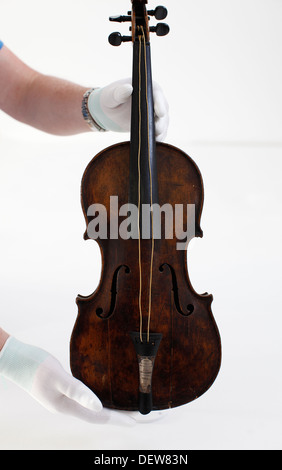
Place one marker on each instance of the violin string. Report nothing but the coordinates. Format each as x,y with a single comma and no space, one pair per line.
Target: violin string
139,200
151,194
139,196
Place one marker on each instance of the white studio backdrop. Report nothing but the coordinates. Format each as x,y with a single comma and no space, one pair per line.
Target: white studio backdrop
221,70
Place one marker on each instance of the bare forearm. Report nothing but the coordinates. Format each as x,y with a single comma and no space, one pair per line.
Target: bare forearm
54,105
3,338
47,103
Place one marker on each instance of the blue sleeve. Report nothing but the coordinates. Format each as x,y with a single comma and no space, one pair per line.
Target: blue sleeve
1,44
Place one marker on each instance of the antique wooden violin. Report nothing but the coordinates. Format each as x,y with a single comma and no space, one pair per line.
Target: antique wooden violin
144,340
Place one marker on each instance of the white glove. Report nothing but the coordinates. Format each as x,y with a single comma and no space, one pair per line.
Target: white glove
43,377
110,107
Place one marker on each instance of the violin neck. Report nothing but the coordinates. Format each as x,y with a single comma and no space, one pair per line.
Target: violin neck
143,169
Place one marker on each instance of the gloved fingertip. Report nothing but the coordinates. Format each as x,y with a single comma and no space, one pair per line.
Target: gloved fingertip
119,418
96,405
84,396
160,138
161,105
122,93
159,110
161,128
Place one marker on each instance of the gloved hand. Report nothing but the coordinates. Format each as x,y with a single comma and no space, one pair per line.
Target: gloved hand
43,377
110,107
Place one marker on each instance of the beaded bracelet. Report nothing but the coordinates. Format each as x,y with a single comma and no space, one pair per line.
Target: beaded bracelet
86,114
1,45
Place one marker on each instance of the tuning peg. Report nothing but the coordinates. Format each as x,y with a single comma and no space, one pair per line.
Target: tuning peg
162,29
120,19
115,39
160,13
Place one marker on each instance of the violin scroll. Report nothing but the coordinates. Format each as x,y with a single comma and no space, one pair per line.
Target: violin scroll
139,17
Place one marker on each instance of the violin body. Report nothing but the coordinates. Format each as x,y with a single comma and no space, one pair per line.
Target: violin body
102,352
144,340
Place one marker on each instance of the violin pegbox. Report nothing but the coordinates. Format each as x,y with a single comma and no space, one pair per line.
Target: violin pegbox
140,17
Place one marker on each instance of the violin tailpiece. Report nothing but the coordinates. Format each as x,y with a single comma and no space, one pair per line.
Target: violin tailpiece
146,354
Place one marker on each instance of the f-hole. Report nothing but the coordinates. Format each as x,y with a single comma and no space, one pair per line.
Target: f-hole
99,311
190,307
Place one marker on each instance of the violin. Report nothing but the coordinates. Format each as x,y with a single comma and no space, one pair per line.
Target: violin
144,340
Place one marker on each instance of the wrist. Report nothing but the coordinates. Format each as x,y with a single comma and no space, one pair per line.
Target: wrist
98,112
19,362
92,122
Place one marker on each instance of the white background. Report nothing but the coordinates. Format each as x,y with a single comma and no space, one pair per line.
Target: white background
221,71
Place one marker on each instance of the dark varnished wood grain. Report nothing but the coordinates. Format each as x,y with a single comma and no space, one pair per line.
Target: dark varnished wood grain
102,352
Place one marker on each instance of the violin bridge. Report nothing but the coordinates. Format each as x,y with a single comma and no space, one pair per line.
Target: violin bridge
146,352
